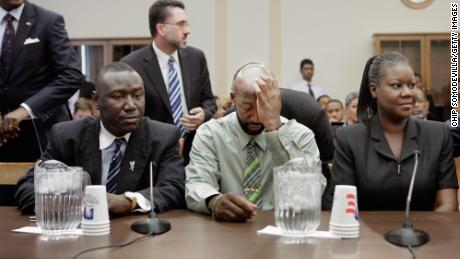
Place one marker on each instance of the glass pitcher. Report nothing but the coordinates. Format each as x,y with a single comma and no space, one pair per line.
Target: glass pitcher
297,193
58,196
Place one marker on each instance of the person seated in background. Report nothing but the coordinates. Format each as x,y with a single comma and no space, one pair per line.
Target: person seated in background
422,106
116,149
351,108
230,170
220,108
334,110
323,100
83,108
378,153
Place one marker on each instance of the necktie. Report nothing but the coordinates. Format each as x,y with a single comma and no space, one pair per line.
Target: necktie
174,94
252,175
115,164
310,91
8,39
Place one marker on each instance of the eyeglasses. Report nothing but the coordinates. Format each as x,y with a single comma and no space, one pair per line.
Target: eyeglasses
181,24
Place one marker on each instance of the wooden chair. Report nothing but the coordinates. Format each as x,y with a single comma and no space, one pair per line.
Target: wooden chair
9,175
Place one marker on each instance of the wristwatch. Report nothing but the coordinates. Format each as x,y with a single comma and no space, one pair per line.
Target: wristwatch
131,196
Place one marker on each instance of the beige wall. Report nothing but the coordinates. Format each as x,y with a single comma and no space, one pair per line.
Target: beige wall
337,35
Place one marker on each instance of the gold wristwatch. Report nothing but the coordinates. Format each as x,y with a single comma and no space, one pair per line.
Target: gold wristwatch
131,196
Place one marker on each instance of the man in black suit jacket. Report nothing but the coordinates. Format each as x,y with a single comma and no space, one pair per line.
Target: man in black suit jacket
169,28
39,72
120,98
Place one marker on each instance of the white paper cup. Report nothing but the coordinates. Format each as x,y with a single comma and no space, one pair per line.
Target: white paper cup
95,230
96,209
95,227
343,226
345,207
96,234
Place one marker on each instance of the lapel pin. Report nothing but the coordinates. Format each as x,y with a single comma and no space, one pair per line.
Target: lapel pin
131,165
28,23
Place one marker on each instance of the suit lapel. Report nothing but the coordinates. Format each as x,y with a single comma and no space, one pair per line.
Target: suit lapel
410,137
185,70
91,159
153,70
377,135
134,161
26,22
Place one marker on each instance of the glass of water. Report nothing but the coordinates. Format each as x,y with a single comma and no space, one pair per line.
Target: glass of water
297,194
58,196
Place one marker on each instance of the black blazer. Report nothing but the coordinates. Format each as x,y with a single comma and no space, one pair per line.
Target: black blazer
195,78
364,158
76,143
43,74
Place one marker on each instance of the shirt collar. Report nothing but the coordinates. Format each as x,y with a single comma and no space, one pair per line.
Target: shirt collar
106,138
16,13
243,137
163,57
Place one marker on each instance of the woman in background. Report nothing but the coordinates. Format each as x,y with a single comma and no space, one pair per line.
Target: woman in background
378,154
351,108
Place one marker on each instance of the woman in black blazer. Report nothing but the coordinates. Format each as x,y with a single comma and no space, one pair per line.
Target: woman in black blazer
378,154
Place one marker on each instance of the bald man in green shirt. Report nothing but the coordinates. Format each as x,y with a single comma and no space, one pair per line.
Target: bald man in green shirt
230,170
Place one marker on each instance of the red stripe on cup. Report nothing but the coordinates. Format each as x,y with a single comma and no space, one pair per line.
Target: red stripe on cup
352,211
350,196
351,203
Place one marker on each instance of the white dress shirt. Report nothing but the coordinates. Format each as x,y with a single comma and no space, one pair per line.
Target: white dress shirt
107,146
163,59
16,13
302,86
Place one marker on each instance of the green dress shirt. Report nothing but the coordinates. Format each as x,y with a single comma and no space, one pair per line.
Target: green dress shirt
217,159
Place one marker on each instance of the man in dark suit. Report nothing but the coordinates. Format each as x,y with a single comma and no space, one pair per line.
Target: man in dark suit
176,78
306,110
39,71
116,150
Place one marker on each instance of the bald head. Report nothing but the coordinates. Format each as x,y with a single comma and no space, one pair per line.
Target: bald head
244,81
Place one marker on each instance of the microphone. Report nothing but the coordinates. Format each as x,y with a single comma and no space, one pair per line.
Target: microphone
152,225
407,235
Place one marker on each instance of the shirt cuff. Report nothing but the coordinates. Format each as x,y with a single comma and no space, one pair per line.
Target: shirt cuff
142,203
29,111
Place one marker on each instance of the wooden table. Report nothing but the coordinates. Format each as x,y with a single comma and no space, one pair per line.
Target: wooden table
197,236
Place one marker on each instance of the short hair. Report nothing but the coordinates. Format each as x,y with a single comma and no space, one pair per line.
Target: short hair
252,65
350,97
335,101
367,105
83,104
158,13
322,96
306,61
110,68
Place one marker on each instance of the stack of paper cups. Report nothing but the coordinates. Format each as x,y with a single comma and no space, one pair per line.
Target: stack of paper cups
344,216
95,220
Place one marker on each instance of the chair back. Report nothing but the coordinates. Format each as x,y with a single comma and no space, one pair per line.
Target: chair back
9,175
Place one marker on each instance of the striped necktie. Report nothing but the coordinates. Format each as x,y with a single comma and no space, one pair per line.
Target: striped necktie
174,95
115,165
7,42
252,175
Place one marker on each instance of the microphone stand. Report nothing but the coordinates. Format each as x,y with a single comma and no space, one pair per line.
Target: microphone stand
407,235
152,225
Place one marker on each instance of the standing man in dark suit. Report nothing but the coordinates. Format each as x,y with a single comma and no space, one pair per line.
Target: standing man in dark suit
117,148
176,77
39,71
